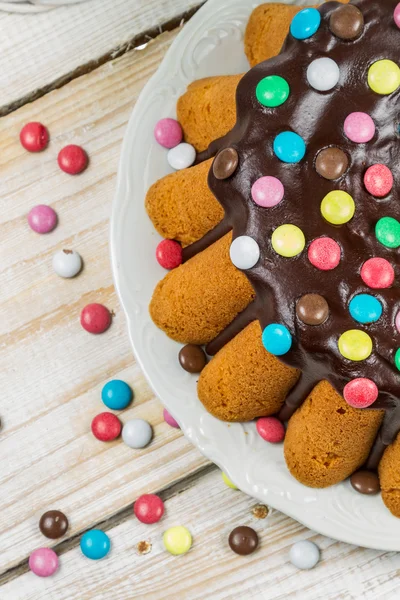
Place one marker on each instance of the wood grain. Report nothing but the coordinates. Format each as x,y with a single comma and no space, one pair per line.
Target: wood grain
43,50
211,570
51,370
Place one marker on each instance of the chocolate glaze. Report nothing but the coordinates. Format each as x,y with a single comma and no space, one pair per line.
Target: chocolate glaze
319,117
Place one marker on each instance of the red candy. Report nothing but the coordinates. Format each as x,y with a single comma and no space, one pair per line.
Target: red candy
169,254
34,137
149,508
360,393
106,427
95,318
271,429
324,253
377,273
72,159
378,180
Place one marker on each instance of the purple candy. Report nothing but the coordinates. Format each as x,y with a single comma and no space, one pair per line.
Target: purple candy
168,133
170,419
43,562
42,218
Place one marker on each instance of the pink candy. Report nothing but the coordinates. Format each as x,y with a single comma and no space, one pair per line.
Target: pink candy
360,393
377,273
168,133
271,429
378,180
170,419
267,191
397,322
43,562
324,253
397,15
359,127
42,218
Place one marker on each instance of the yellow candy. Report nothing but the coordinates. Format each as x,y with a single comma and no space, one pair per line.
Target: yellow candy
228,482
384,77
288,240
338,207
177,540
355,345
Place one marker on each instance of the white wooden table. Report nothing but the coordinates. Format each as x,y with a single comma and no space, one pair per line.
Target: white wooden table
77,70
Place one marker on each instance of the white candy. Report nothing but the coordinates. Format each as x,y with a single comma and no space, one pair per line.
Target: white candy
304,555
323,74
137,433
182,156
67,263
244,252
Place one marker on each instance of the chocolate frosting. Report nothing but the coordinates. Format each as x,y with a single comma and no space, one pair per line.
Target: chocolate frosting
318,117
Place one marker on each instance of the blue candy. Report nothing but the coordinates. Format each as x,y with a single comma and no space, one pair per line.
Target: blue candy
277,339
116,394
289,147
305,23
365,308
95,544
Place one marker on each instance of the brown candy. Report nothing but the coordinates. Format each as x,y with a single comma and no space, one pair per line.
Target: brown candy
243,540
347,22
331,163
225,163
192,358
312,309
53,524
365,482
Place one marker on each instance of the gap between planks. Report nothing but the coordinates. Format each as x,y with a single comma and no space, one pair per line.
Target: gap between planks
135,42
179,486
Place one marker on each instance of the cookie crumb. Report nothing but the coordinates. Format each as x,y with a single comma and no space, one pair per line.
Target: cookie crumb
143,547
260,511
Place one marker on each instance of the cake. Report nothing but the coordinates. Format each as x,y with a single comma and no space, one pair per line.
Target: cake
291,270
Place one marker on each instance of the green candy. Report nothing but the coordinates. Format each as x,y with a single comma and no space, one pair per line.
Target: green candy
397,359
387,231
272,91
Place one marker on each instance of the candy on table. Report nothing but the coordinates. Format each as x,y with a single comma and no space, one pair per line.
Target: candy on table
137,433
324,253
228,482
53,524
304,555
169,254
312,309
243,540
72,159
67,263
277,339
42,218
360,392
43,562
182,156
365,482
106,427
116,394
244,252
225,163
267,191
271,429
34,137
323,74
177,540
168,133
192,358
95,318
148,508
95,544
169,419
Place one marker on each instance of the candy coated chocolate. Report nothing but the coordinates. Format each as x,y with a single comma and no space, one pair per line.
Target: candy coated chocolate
34,137
331,163
225,163
192,358
365,482
53,524
312,309
95,318
43,562
243,540
72,159
347,22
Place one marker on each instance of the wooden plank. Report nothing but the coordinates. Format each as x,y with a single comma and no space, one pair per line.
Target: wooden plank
38,51
51,371
210,510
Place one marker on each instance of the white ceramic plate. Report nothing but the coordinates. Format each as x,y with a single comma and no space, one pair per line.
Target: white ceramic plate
211,44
